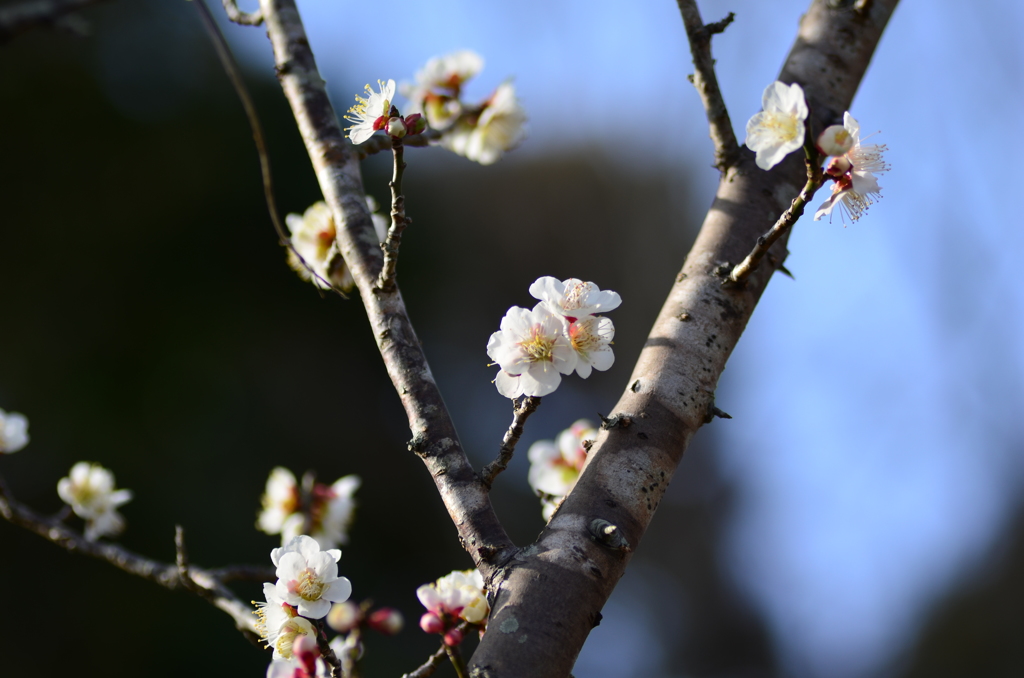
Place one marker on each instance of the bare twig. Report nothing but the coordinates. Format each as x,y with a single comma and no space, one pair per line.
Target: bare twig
521,411
431,665
742,271
337,169
458,663
727,151
234,74
240,17
386,279
16,19
167,575
327,652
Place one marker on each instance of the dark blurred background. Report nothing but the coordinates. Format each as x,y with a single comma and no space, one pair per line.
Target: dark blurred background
151,325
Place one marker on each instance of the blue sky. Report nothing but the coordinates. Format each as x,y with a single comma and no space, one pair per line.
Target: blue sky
879,449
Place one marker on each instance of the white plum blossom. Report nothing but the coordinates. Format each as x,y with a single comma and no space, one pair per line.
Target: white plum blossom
371,113
778,129
280,500
458,595
330,516
573,298
313,236
500,127
856,186
13,432
308,577
277,625
89,490
450,71
555,465
591,338
533,350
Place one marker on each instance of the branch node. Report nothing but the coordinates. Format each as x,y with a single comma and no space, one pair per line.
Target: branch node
615,421
609,534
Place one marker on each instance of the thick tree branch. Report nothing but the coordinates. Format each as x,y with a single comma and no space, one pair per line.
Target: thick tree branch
550,596
727,151
16,19
337,169
179,574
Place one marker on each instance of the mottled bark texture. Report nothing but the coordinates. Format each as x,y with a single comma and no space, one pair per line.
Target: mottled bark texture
550,596
337,169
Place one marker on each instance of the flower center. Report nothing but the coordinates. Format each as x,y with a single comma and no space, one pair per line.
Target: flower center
289,631
538,347
785,125
309,586
573,297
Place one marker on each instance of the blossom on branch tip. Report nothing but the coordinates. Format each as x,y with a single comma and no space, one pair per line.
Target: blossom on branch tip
778,129
533,350
573,298
89,490
555,465
308,577
458,596
314,254
500,126
371,113
856,186
450,71
13,432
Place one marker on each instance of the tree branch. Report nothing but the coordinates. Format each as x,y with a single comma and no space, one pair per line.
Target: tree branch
337,168
431,665
549,598
727,151
168,575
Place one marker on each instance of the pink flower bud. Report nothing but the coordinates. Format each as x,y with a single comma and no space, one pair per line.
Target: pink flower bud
453,637
416,123
396,127
838,166
386,620
835,140
305,650
431,623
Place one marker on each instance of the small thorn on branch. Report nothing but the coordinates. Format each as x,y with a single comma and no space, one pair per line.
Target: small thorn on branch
719,26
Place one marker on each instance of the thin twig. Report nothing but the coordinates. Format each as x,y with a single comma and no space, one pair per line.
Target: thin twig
239,17
431,665
16,19
164,574
727,151
379,143
815,178
386,279
327,652
521,411
434,438
234,74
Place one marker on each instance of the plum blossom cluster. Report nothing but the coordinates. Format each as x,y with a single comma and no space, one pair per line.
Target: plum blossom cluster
376,112
324,512
561,334
89,491
451,600
853,168
307,585
13,432
555,465
481,132
314,253
778,130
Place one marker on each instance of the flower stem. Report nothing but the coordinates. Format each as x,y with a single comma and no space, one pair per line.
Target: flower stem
815,178
457,661
386,280
521,410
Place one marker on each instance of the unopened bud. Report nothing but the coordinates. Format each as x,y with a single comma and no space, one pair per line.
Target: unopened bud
416,123
396,127
386,620
305,650
453,637
835,140
431,623
344,617
838,166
